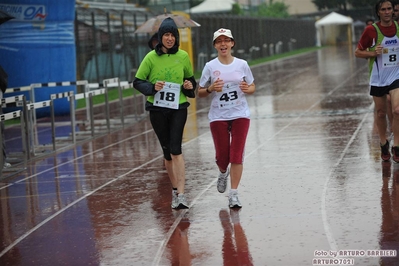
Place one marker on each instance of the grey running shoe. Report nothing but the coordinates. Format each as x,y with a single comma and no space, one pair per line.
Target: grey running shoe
234,202
174,199
222,181
6,165
181,202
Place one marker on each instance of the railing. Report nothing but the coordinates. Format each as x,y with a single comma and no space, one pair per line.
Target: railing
43,136
106,44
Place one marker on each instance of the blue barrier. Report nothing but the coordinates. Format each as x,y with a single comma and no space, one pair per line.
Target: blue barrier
38,46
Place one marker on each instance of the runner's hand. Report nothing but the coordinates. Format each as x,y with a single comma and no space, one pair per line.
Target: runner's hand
159,85
188,85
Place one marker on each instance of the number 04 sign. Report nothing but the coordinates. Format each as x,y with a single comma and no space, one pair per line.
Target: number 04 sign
169,96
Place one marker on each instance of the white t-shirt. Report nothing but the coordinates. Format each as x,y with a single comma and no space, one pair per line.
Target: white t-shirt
230,103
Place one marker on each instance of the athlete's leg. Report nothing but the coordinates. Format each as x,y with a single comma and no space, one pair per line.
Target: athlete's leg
395,111
389,113
159,121
178,120
221,140
239,132
380,117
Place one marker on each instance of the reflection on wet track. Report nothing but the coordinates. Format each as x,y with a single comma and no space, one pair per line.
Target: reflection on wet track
313,185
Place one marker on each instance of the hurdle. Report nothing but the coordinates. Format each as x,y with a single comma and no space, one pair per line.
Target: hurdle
111,83
71,99
33,141
33,131
35,86
123,85
89,107
51,103
19,89
139,100
94,89
18,100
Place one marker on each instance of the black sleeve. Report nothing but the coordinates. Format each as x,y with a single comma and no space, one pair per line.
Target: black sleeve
145,87
190,93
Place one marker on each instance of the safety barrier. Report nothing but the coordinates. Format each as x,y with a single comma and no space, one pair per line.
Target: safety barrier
18,100
104,89
33,140
71,99
46,135
35,86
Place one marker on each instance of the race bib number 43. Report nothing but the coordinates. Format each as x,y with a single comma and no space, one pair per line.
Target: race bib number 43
168,97
229,97
390,56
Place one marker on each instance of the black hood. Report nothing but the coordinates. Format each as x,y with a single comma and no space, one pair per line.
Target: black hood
168,25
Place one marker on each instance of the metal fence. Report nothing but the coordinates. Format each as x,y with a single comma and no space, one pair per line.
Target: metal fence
254,37
107,46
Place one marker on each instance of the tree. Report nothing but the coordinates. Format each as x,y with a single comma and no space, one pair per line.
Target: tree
342,4
362,3
236,9
273,10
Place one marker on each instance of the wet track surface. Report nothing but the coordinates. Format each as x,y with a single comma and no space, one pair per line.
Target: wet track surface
313,184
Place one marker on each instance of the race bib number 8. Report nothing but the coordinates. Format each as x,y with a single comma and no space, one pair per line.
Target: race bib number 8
168,97
390,56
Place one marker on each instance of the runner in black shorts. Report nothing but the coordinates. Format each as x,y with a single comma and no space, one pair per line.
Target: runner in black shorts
380,43
166,77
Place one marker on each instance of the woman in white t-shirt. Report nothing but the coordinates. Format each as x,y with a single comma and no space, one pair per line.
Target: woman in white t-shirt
227,80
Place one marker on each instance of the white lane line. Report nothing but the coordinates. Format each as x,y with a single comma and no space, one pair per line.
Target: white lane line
327,228
33,229
26,234
330,237
168,235
177,221
86,155
74,159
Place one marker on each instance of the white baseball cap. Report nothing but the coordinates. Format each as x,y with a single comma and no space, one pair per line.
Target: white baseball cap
222,32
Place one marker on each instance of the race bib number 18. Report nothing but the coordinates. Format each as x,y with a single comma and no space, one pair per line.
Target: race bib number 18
168,97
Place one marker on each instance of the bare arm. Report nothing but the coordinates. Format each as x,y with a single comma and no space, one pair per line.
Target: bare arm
216,86
247,88
368,54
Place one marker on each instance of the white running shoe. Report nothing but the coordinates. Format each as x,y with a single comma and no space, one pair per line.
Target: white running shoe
181,202
174,199
234,202
222,181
